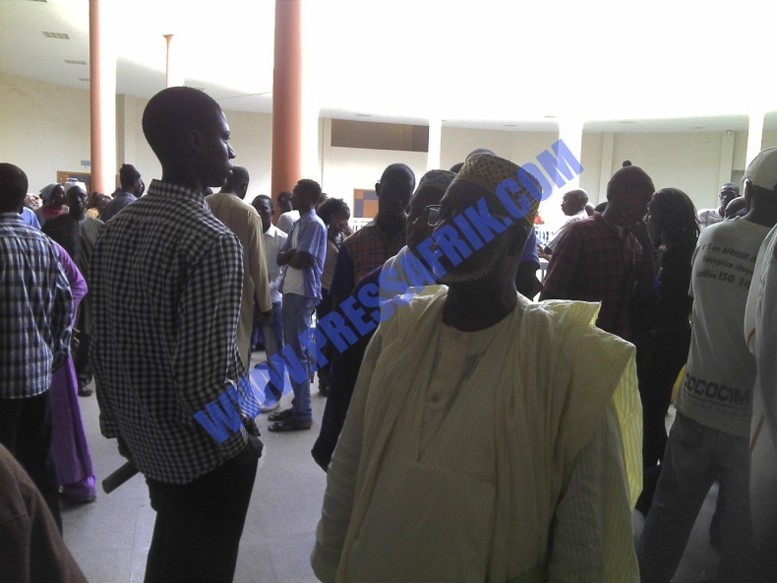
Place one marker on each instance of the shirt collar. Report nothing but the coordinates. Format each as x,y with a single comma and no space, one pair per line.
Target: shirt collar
12,217
177,191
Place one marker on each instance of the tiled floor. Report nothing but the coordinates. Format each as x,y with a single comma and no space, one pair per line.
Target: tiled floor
109,538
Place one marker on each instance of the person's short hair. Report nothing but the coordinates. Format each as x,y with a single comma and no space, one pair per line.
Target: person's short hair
128,174
628,178
13,187
456,167
171,113
236,179
330,207
311,187
579,194
398,169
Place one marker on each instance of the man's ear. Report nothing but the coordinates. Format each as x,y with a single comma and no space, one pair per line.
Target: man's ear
194,140
377,189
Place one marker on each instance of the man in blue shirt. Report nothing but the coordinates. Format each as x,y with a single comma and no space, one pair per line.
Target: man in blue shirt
303,254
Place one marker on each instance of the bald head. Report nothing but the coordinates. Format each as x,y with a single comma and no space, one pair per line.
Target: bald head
13,188
237,182
573,202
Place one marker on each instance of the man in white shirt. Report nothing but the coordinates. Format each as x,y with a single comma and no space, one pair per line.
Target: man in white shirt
728,192
272,332
573,205
289,216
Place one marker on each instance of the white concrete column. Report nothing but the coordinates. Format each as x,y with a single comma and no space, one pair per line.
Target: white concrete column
435,144
570,131
755,130
173,74
726,157
102,71
605,170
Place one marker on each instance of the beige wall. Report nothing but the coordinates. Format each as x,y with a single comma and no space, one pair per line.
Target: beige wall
45,128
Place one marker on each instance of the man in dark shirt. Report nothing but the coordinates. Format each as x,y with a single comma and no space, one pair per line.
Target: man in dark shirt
370,247
131,189
77,232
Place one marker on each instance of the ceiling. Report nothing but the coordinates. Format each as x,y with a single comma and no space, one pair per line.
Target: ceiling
614,65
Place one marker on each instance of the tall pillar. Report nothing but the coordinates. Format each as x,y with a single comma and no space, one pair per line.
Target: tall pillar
435,144
755,130
102,71
726,159
173,77
606,167
570,131
287,97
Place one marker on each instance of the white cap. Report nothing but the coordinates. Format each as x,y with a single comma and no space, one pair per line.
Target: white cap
762,171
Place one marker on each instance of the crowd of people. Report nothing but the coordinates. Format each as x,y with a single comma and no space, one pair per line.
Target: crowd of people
467,435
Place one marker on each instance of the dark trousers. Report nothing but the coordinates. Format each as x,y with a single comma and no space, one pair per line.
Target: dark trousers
323,308
81,352
25,429
198,525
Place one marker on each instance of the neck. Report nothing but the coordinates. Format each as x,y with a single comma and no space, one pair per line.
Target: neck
478,305
614,215
182,177
389,225
763,217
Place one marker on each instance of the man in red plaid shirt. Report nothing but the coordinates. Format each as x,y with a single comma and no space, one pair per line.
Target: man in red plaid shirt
601,259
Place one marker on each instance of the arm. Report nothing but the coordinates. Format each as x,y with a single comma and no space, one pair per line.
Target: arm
311,236
77,282
341,476
343,278
562,269
526,278
204,356
592,540
767,346
257,263
286,252
62,314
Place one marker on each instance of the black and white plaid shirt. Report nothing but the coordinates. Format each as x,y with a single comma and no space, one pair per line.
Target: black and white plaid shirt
166,280
36,308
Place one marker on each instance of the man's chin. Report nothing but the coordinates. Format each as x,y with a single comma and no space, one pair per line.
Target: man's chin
457,275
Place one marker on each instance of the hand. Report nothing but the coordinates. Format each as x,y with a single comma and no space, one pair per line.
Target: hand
123,449
265,317
251,452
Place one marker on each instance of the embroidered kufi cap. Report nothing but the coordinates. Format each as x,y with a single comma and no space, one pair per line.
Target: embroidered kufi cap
497,175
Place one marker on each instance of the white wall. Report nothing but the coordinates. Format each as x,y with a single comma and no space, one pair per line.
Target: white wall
346,169
45,128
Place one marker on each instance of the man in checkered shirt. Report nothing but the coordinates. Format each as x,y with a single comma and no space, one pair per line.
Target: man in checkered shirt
36,308
600,259
166,280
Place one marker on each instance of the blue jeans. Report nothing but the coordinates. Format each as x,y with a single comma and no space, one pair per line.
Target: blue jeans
297,320
695,455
